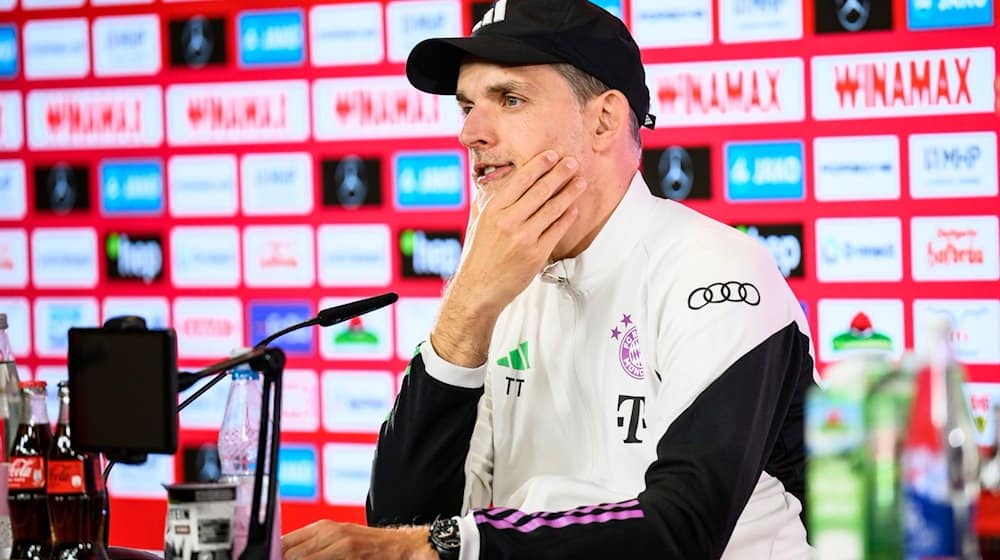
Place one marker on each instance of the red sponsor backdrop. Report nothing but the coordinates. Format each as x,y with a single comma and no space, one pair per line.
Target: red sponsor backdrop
737,87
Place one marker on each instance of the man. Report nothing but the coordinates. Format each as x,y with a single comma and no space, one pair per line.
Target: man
611,375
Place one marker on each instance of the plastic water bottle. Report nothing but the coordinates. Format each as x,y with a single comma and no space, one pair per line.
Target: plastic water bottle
238,452
238,445
10,392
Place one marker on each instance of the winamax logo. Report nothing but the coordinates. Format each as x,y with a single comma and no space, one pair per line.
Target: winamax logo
429,180
134,257
380,107
899,84
764,171
727,92
131,187
269,317
237,113
784,241
938,14
271,38
429,254
89,118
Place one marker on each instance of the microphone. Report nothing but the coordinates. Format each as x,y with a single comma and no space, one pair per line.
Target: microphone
325,318
346,312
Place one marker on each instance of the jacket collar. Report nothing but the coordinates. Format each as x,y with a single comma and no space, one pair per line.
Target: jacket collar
610,248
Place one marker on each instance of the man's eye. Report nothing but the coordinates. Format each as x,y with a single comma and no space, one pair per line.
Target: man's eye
511,101
466,109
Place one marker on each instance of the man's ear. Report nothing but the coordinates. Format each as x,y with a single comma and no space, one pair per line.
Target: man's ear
610,113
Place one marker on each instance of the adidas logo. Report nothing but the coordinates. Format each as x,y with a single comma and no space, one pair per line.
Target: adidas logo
496,14
516,359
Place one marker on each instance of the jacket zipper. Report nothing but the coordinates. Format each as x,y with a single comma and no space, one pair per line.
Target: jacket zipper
591,440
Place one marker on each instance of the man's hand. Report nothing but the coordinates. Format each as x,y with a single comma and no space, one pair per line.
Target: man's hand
329,540
510,238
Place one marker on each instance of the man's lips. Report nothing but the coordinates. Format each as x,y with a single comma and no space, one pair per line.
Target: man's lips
486,173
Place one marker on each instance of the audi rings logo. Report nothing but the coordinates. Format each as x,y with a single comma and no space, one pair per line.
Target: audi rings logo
721,292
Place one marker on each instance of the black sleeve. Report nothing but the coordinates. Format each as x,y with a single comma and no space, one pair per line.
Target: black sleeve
418,470
708,463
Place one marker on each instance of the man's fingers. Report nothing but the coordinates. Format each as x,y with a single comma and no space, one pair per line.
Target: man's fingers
547,241
545,188
525,177
555,206
301,542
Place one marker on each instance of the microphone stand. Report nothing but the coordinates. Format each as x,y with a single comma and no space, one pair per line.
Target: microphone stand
269,361
271,365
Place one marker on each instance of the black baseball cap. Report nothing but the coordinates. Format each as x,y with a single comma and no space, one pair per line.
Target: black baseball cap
521,32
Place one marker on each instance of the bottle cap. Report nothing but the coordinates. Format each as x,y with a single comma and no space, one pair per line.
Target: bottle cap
3,320
35,384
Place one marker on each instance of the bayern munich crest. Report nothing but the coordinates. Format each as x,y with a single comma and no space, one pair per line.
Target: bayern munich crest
628,347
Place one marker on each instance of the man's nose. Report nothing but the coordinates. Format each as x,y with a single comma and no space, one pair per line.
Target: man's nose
478,130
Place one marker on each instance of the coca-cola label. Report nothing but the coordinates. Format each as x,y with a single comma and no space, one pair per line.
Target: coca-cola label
26,473
66,477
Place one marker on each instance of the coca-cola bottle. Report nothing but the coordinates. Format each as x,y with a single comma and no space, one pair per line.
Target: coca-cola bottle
29,511
76,494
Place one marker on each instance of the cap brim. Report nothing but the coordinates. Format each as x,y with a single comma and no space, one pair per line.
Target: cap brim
433,64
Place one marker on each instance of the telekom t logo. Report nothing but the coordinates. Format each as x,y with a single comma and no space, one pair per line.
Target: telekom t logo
496,14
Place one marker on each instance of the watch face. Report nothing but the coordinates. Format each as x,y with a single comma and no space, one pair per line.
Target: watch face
445,536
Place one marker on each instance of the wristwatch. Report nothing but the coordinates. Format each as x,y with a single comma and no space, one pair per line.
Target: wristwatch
445,539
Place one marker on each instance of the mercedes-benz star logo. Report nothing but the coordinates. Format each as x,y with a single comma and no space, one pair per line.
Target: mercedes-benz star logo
62,193
853,14
198,42
720,292
676,172
350,180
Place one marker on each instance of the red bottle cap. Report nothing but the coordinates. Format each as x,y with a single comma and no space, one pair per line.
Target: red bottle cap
34,384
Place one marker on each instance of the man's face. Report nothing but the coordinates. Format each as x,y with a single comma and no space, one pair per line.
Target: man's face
514,113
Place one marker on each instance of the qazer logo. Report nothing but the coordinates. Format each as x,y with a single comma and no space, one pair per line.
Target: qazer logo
429,254
784,241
